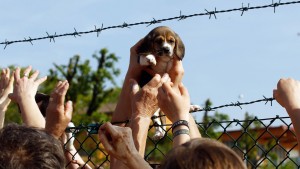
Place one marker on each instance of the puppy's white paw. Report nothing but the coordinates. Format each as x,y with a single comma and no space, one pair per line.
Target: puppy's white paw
194,108
158,135
147,60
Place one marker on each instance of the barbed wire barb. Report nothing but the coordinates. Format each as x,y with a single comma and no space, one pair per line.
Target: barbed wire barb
211,13
243,9
6,43
154,21
76,33
51,37
98,30
125,25
30,41
275,4
181,17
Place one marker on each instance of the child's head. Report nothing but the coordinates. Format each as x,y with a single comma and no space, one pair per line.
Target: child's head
203,153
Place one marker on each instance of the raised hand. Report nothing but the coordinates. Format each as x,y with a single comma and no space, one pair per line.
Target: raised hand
23,94
118,142
6,87
175,105
58,112
26,87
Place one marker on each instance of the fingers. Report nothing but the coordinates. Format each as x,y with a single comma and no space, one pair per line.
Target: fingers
27,71
104,140
154,81
167,89
11,80
176,73
41,80
59,93
134,47
62,91
69,109
183,90
5,77
2,79
275,93
17,74
134,86
34,75
110,129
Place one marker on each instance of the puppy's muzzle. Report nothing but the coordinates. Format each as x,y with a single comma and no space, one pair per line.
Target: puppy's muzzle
164,51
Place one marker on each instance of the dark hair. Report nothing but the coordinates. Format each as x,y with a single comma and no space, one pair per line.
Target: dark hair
43,99
203,153
27,147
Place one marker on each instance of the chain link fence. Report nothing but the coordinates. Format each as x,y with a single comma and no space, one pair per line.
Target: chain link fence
261,143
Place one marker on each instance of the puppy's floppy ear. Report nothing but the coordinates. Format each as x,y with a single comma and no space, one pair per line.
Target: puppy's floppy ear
146,45
179,47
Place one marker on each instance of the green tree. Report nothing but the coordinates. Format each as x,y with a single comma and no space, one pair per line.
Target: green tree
88,88
211,123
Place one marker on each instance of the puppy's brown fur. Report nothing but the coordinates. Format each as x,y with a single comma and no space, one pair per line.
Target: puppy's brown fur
160,46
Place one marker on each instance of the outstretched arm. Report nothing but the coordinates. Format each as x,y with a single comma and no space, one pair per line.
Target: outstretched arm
176,74
58,112
6,87
123,108
176,107
23,94
144,104
287,95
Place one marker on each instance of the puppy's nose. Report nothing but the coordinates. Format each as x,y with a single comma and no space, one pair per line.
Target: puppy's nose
166,50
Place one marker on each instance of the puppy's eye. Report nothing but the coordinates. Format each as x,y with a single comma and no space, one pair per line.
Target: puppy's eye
158,41
171,41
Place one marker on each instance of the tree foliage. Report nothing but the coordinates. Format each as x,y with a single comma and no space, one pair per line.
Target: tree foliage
210,123
89,88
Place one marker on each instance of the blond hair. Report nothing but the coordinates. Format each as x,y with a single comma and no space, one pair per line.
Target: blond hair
203,153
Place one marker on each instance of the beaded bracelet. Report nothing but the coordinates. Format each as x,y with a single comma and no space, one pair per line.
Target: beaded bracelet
181,131
180,122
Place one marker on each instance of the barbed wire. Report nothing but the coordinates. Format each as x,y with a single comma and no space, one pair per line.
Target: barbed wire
236,104
97,30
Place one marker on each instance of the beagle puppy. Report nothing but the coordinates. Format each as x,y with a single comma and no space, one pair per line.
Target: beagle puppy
160,46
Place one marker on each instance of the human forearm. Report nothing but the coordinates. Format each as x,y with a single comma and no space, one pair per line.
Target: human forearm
295,118
2,117
139,126
181,138
183,127
137,162
123,109
194,131
31,114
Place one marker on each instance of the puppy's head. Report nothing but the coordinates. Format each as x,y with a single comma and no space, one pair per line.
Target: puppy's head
163,41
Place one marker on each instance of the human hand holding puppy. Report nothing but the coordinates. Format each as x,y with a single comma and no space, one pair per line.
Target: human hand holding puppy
144,103
176,107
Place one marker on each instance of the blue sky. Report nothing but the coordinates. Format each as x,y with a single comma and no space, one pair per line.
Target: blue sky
225,57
